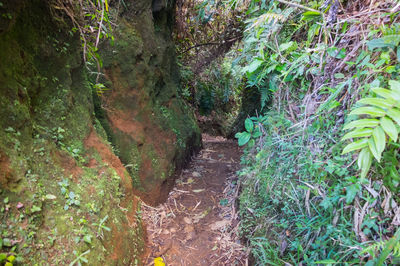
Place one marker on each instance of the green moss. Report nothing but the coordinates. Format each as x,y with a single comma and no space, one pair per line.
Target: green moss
47,112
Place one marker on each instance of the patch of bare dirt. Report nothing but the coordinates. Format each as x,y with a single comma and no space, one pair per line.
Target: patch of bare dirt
93,141
6,173
198,224
68,163
129,202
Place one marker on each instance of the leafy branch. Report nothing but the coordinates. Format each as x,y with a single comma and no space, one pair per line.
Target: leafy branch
382,114
91,19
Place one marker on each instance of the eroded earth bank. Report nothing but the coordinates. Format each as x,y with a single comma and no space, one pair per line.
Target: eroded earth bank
74,163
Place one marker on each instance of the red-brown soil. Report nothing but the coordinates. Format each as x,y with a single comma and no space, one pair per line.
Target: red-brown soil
198,223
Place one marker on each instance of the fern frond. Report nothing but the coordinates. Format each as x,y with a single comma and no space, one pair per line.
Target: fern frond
267,18
374,248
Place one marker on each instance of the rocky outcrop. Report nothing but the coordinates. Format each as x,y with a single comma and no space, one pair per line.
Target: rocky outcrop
71,163
150,127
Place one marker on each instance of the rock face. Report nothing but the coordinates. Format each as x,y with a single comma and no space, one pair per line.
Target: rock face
71,163
152,130
251,106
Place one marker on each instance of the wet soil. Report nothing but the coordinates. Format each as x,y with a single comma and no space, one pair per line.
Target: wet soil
198,224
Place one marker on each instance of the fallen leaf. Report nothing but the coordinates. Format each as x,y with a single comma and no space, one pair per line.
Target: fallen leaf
283,247
218,225
196,174
188,229
187,220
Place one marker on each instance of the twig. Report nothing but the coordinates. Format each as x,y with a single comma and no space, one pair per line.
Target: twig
299,6
199,45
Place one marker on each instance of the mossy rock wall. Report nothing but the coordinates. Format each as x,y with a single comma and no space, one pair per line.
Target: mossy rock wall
250,106
154,133
70,172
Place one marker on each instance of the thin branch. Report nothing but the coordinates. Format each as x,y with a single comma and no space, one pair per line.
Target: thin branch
299,6
199,45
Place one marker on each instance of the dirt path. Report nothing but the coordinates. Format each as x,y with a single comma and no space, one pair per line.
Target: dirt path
198,224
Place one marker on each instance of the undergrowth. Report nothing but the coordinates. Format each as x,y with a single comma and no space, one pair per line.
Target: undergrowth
304,199
300,196
313,193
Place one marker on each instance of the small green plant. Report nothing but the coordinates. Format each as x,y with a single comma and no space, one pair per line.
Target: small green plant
70,196
384,248
80,258
58,135
64,184
101,227
7,260
379,127
76,153
99,88
254,129
72,199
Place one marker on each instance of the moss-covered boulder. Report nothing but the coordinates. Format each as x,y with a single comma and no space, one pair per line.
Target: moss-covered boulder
71,163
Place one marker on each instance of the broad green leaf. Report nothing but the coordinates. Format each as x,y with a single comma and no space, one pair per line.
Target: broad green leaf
373,149
87,239
285,46
257,134
379,139
362,123
358,133
313,31
251,143
386,41
389,127
248,124
387,94
364,161
356,145
379,102
394,114
253,65
311,14
369,110
394,85
11,258
352,191
244,138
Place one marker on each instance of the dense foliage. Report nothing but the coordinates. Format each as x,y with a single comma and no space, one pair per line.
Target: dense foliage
303,201
327,66
93,21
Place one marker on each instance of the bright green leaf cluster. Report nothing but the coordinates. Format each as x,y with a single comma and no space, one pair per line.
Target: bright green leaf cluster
253,131
383,120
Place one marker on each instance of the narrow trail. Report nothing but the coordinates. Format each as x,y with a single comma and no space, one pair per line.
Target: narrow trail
198,223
